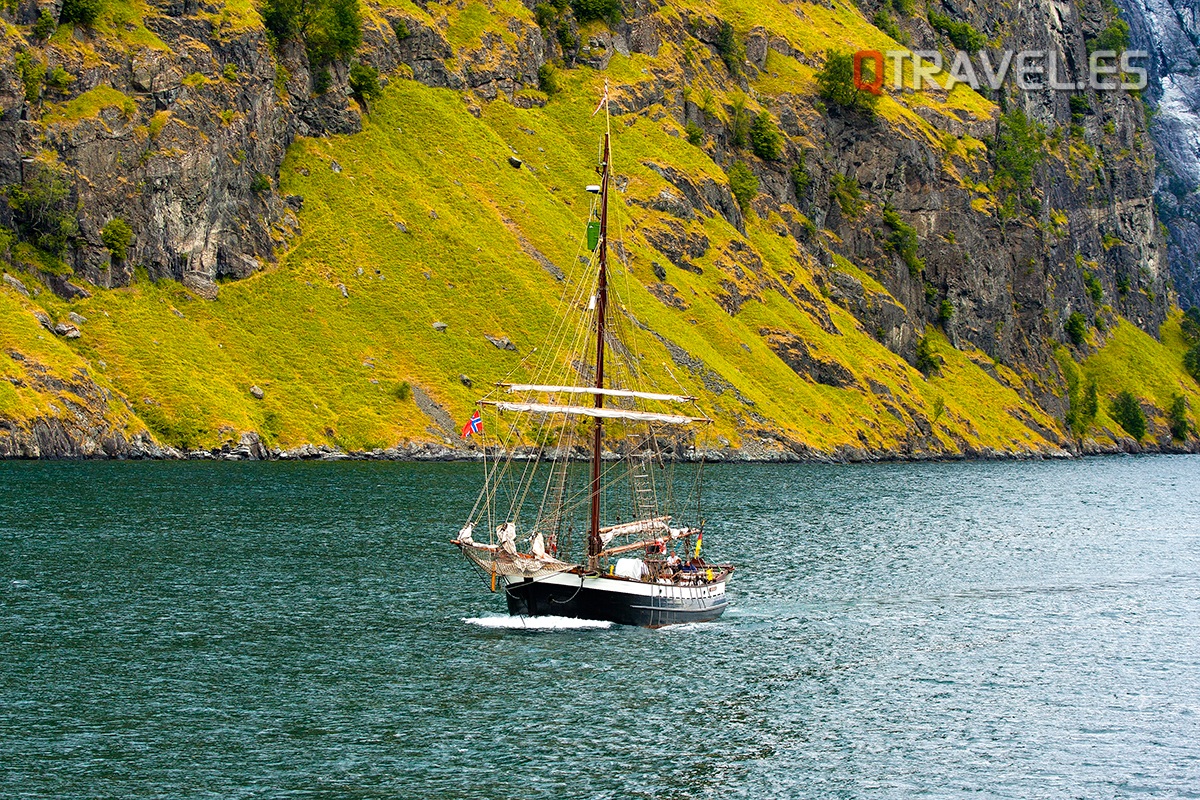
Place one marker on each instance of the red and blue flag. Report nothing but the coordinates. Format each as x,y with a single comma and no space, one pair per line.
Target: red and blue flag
474,425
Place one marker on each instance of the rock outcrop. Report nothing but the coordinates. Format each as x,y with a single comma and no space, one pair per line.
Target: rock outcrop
1170,31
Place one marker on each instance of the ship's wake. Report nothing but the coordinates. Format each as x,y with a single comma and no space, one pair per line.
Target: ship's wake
537,623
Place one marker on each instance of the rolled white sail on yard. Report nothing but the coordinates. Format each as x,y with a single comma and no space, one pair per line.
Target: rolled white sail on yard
658,524
592,390
605,413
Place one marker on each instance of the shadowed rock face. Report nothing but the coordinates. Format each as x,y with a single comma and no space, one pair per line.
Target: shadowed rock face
1170,31
189,159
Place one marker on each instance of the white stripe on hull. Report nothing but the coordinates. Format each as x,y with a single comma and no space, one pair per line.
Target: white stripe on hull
638,588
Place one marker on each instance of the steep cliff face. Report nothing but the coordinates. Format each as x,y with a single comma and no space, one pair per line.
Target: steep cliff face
1170,31
1006,235
174,120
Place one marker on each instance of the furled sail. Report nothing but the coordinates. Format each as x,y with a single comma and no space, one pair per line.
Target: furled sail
605,413
504,559
592,390
656,525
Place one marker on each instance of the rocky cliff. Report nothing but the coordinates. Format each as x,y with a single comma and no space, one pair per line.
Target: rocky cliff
1013,233
1170,31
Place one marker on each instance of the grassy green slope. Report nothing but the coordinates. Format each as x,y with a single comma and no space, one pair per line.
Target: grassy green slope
425,220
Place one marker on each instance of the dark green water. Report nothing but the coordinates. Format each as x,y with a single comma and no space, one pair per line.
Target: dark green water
270,630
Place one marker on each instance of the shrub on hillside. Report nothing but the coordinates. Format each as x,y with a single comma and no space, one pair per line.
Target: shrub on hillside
31,72
1077,328
844,189
1126,409
765,139
1114,37
945,312
59,79
743,184
903,241
964,36
1094,289
928,362
883,20
545,15
330,29
588,10
44,26
835,83
1016,153
1083,408
695,134
800,177
117,236
1191,361
739,122
548,78
731,51
81,12
1191,325
42,210
1180,428
364,83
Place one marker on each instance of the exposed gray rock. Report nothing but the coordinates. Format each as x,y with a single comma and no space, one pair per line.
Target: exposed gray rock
440,327
257,393
16,284
436,413
1170,31
67,330
78,319
797,354
502,342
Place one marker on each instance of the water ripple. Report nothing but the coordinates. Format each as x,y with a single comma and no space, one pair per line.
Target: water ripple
303,630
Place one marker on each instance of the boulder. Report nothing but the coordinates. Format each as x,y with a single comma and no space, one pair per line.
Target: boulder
67,330
502,342
16,284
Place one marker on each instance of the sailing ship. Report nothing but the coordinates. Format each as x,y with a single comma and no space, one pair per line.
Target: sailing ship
585,523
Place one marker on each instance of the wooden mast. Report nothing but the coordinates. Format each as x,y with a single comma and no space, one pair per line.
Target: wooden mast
594,543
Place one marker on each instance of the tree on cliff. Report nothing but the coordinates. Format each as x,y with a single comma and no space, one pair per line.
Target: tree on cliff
330,29
835,82
42,207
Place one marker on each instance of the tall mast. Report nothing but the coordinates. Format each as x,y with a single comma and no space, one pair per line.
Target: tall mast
594,543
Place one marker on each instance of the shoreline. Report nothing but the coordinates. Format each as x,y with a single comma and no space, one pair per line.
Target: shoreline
250,447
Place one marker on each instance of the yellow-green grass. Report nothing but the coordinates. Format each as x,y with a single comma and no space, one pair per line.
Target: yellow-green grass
1132,360
427,206
89,105
330,366
35,349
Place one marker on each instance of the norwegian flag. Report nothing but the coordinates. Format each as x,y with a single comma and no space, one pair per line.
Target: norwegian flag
474,425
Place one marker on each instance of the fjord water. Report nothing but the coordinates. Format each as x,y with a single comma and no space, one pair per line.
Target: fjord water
267,630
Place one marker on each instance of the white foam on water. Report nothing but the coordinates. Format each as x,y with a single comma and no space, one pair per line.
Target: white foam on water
537,623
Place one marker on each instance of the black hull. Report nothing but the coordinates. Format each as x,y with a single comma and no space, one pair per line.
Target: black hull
534,598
